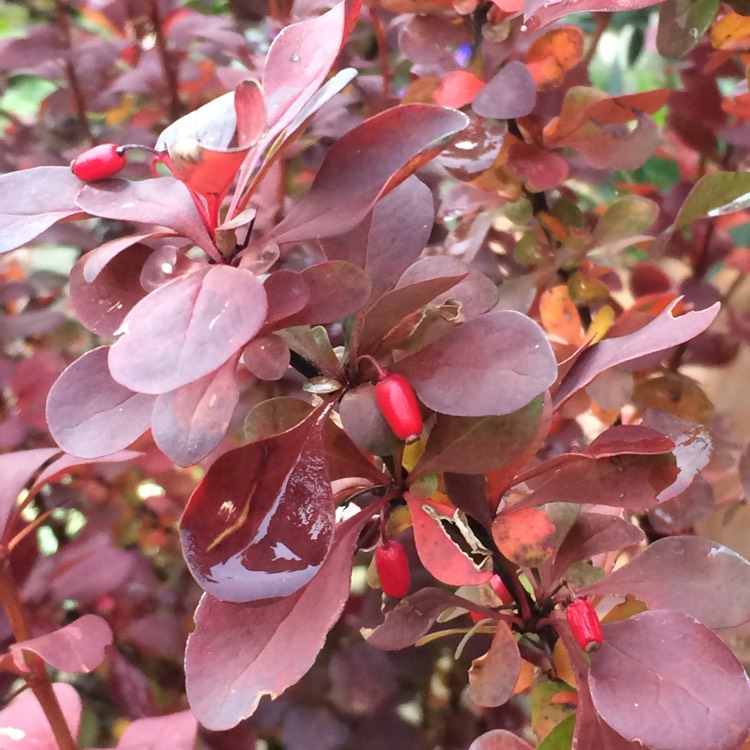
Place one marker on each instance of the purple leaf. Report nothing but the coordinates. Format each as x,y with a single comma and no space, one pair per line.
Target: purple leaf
391,238
76,648
187,328
163,201
240,652
89,414
62,466
175,731
509,94
646,689
365,164
97,260
336,289
300,58
661,333
544,12
364,422
410,619
491,365
692,575
24,725
32,200
102,304
685,509
499,739
260,523
493,676
474,445
189,422
17,469
267,357
592,534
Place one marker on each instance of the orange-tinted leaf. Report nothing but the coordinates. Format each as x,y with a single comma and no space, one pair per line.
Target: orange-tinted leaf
731,32
457,89
524,536
546,715
553,54
538,168
619,109
563,667
560,315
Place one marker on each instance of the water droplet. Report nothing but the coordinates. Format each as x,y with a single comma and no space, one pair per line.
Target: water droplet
693,32
294,57
621,496
524,27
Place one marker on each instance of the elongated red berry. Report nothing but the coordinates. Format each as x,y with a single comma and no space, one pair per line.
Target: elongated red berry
393,569
584,624
98,163
399,407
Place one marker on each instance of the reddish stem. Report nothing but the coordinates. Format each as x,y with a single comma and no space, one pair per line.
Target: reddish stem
37,679
378,28
170,72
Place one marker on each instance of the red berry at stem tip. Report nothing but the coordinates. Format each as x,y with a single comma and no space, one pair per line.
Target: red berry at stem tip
584,624
399,406
393,569
98,163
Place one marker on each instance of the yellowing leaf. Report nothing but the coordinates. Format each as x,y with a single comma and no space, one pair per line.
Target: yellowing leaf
731,32
524,536
564,668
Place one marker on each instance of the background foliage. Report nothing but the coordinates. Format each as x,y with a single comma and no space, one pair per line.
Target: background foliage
544,269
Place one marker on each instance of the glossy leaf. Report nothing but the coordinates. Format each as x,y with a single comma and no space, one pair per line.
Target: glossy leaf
491,365
240,652
163,201
89,414
77,647
685,509
544,12
493,676
692,575
32,200
187,328
702,701
24,725
267,357
365,164
474,445
508,94
437,550
661,333
260,523
189,422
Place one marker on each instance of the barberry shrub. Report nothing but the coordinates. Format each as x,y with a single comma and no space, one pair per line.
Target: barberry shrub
356,373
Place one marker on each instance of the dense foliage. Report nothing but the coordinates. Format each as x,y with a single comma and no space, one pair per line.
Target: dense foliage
374,378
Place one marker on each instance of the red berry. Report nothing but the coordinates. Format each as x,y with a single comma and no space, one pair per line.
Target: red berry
393,569
98,163
399,407
584,624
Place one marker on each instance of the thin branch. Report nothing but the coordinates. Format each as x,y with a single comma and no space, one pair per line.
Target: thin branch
167,64
74,84
378,28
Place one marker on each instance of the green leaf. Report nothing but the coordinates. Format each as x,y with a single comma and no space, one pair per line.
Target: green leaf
715,195
561,737
682,24
625,221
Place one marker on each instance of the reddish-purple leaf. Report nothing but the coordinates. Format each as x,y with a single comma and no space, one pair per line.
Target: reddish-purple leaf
661,333
410,619
366,163
32,200
89,414
491,365
287,294
391,238
240,652
510,93
103,304
274,416
267,357
364,422
17,469
474,445
314,345
592,534
260,523
24,725
77,647
336,289
163,201
130,689
300,58
692,575
175,731
440,555
189,422
187,328
544,12
493,676
685,509
63,466
98,259
499,739
666,681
